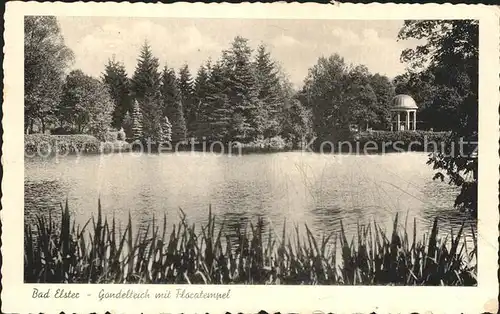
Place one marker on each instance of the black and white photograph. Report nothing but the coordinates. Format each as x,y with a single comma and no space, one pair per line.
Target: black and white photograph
221,151
291,158
215,157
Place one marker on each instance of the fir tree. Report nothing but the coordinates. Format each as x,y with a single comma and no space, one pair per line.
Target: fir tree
137,133
242,91
268,84
172,105
166,129
218,111
186,91
146,78
145,88
115,78
127,124
201,90
151,118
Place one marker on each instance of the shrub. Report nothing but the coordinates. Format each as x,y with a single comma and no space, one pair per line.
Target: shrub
62,131
61,144
276,143
111,136
411,140
114,147
121,136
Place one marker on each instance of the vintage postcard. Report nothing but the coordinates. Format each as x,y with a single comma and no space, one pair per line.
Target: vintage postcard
212,158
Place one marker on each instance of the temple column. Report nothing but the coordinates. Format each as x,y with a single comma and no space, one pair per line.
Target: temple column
407,126
414,120
398,122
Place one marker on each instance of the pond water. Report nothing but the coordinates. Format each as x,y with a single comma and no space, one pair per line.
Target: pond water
316,189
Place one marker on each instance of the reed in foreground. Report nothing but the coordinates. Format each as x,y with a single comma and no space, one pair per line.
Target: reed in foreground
102,253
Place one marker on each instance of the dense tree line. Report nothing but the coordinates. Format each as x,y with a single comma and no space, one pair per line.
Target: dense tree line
243,96
239,97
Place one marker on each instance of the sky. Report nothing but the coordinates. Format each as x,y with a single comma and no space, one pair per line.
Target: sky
295,44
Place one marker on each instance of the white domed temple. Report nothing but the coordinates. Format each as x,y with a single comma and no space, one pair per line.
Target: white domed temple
403,113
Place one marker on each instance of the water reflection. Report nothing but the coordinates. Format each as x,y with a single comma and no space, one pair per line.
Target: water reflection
41,197
313,189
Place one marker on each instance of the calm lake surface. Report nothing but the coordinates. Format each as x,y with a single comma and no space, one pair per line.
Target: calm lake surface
316,189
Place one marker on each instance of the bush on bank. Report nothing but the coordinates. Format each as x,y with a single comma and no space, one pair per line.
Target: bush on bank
273,144
371,141
47,144
403,136
400,140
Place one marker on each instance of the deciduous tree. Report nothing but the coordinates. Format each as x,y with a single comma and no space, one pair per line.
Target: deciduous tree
324,93
384,91
46,60
450,51
86,105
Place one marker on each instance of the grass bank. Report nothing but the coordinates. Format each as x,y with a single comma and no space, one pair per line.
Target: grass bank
100,252
47,144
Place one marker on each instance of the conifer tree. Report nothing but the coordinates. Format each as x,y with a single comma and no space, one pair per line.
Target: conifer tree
268,84
218,110
115,78
137,132
172,105
145,88
127,124
243,92
166,129
201,89
151,118
186,93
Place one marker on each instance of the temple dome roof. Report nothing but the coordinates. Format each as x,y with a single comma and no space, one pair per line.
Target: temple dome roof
403,102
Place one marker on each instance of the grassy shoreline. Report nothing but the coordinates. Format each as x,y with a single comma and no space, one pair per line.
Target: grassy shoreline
46,145
99,252
372,142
